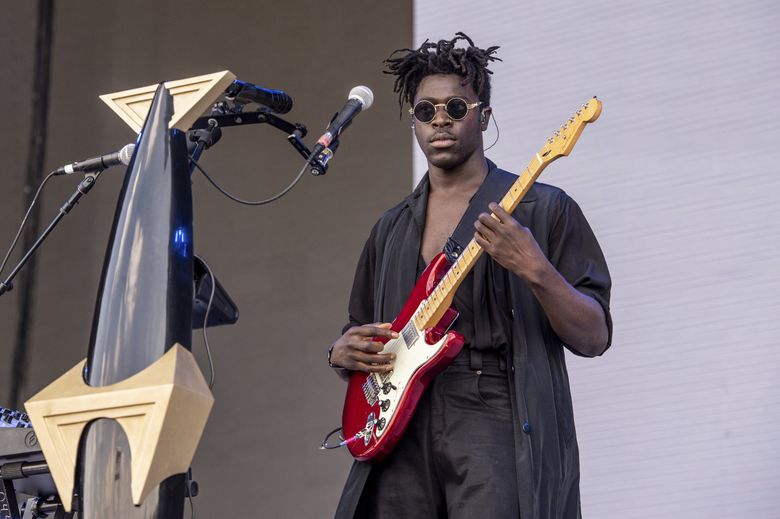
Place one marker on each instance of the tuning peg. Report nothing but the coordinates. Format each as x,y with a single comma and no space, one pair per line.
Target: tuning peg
571,119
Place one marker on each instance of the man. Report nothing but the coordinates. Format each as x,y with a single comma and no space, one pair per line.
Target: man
493,435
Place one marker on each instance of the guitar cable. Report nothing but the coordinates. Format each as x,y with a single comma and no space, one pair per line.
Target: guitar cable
324,445
342,443
366,431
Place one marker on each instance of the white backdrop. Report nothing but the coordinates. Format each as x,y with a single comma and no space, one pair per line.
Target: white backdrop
679,179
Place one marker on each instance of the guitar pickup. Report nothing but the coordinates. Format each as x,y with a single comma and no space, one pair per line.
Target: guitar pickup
410,334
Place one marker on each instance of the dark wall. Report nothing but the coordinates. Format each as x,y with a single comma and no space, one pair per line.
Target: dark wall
288,265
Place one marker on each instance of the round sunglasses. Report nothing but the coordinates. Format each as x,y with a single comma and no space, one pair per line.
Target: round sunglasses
456,109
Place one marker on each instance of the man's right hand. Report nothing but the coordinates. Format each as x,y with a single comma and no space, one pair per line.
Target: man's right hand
358,350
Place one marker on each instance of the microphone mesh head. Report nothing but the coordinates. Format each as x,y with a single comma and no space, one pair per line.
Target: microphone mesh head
126,153
362,94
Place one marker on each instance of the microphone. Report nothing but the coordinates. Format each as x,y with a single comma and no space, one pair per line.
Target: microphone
360,98
99,163
275,100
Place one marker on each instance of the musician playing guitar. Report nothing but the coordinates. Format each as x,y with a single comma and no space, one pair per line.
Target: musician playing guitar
493,434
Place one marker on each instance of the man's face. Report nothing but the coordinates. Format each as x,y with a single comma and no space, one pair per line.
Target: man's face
446,143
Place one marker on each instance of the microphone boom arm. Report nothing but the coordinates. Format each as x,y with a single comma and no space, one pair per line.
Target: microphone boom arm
295,131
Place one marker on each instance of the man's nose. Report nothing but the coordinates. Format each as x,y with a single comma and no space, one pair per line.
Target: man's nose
440,117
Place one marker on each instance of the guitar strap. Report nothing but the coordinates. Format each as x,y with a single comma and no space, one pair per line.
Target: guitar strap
493,188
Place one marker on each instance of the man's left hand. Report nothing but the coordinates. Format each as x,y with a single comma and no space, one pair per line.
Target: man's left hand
509,243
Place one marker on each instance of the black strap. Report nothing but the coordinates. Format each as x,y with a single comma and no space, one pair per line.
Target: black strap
493,188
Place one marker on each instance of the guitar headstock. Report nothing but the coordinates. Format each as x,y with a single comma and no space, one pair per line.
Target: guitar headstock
563,140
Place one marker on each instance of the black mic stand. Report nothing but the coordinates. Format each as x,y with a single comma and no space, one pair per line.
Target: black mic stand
82,189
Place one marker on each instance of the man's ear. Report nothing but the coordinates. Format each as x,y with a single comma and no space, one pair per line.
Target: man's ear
484,118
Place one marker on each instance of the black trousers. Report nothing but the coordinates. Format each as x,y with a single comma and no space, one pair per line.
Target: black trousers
456,459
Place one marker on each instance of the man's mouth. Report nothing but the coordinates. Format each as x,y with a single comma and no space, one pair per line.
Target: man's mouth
442,140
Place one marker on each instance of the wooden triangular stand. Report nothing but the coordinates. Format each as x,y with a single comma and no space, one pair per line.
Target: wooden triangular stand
163,411
191,97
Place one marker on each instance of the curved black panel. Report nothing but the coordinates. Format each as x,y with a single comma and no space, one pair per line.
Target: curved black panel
145,298
144,307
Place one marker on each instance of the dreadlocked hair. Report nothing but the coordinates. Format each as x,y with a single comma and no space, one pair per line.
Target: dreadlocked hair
441,58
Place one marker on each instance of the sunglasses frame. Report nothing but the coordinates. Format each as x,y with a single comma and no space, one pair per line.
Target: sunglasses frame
469,107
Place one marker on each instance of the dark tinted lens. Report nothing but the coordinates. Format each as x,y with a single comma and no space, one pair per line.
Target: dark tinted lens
424,111
456,108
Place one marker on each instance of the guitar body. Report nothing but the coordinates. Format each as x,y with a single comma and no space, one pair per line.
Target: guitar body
378,407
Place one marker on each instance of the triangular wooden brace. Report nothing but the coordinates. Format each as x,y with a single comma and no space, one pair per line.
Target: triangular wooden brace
191,98
163,411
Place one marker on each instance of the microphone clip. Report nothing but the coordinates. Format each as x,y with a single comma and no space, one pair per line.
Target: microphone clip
322,157
318,158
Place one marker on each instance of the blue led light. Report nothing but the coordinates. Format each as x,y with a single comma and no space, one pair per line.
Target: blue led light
181,243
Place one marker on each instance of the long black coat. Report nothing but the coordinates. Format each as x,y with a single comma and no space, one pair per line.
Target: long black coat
547,456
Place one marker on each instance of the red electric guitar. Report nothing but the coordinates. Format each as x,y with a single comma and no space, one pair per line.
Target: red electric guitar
378,407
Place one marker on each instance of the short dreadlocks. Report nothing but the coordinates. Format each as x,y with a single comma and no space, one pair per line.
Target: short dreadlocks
441,58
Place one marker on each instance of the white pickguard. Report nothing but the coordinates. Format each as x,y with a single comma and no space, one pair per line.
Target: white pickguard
409,358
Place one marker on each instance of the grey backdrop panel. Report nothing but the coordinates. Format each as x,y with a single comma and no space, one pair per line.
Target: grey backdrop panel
288,265
679,179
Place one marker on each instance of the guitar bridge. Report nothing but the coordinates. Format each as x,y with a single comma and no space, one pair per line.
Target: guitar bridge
371,389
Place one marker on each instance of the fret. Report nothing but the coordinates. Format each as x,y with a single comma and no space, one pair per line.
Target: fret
509,200
467,254
527,179
455,269
508,203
